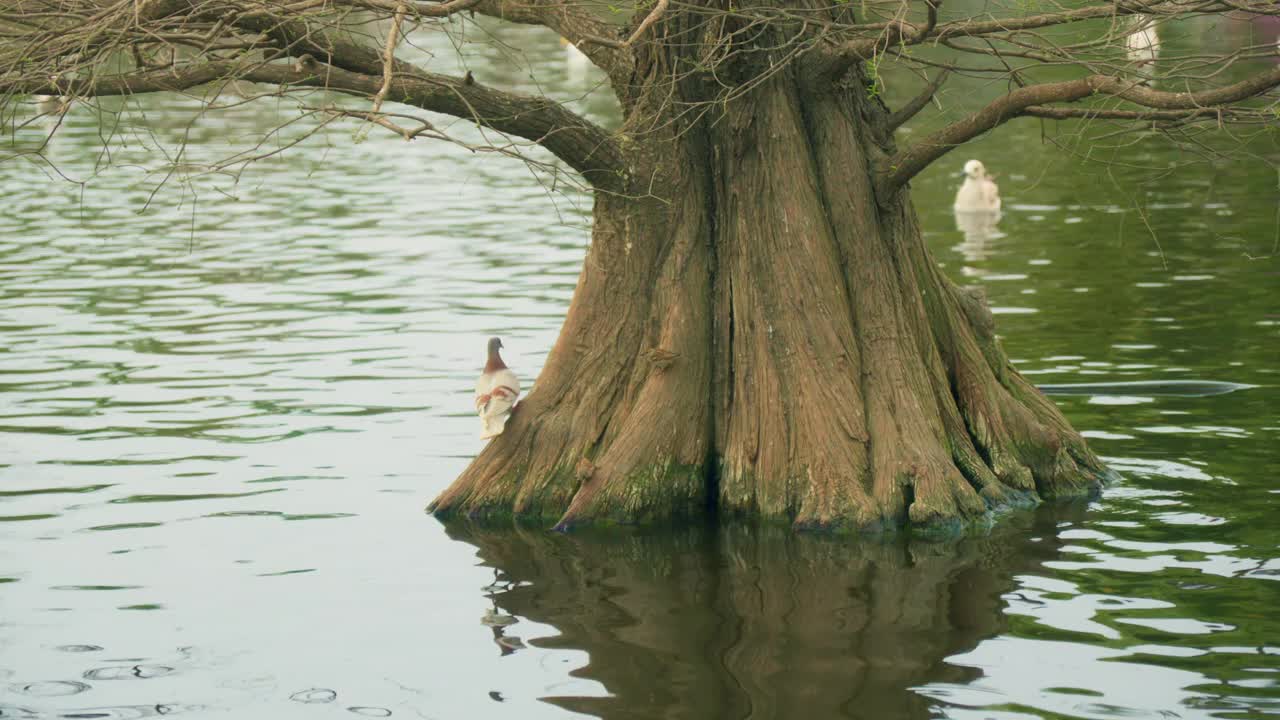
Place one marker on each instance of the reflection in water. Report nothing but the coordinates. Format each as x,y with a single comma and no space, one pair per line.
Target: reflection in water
1173,388
979,227
498,621
760,623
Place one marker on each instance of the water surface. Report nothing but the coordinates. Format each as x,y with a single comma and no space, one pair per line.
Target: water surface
223,408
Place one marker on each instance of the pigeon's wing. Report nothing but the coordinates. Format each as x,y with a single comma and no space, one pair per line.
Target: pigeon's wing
504,391
501,400
506,379
483,384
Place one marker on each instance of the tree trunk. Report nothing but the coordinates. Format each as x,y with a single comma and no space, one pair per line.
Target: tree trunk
755,333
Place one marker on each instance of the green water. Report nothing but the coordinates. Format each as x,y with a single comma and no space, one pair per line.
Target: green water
222,412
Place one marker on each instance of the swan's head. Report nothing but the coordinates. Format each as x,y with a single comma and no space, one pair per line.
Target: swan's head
975,169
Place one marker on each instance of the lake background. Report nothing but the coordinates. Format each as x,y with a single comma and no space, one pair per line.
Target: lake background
224,405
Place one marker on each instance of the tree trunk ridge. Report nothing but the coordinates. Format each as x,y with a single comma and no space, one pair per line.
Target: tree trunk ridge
756,334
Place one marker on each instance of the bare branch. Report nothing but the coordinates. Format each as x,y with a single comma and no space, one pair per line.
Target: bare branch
388,57
648,22
916,104
968,28
417,7
897,33
1048,112
715,55
133,83
300,35
904,165
594,37
893,34
586,147
1145,96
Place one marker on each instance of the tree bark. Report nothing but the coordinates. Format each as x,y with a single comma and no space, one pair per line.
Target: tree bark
755,333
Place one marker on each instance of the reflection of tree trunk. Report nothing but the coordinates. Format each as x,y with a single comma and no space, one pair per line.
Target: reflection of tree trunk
760,623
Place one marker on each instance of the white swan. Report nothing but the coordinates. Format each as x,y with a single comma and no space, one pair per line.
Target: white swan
979,192
1142,44
51,104
576,61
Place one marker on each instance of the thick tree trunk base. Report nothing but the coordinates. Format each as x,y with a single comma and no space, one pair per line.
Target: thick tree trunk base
767,339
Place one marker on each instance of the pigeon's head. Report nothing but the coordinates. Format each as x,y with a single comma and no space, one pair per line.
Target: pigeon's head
495,344
975,169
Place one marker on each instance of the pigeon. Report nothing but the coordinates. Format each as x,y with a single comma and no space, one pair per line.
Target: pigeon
979,192
496,393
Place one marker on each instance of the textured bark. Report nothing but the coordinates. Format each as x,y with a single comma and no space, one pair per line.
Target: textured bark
755,333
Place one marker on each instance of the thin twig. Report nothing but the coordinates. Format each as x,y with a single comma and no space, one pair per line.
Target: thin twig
389,57
648,21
